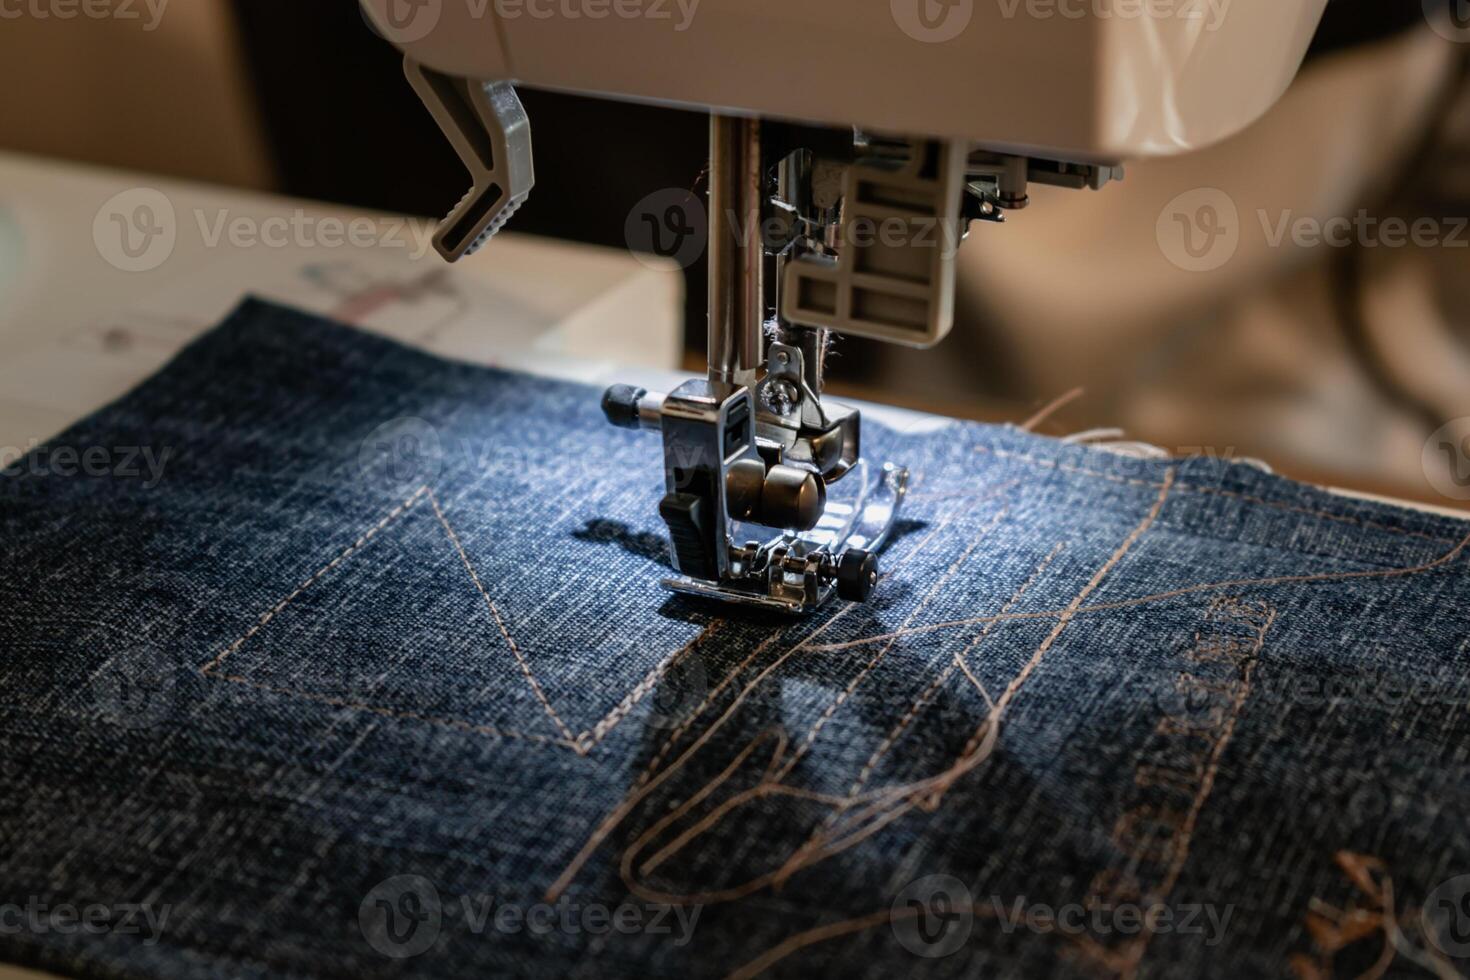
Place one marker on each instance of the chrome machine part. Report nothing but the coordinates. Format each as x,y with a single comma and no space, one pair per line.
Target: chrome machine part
736,260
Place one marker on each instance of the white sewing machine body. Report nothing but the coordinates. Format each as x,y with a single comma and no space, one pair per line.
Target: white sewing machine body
1102,80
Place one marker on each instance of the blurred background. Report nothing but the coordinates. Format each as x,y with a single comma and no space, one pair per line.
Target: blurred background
1337,358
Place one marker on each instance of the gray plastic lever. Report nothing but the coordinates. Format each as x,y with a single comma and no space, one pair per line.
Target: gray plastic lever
490,131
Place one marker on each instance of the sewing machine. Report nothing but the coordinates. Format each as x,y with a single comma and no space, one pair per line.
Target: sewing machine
851,147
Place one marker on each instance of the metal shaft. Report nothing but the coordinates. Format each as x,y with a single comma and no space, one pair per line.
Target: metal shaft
736,290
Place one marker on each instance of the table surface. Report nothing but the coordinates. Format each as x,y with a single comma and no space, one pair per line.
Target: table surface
85,314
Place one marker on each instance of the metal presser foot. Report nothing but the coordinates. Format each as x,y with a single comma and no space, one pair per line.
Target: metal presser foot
767,499
747,527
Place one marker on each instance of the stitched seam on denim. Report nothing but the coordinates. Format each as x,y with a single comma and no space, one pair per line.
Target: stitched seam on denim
351,549
379,709
581,743
1315,578
1196,488
1072,608
1177,849
897,800
499,622
649,781
922,701
841,699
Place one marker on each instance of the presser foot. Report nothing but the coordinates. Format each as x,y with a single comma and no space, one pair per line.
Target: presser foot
797,572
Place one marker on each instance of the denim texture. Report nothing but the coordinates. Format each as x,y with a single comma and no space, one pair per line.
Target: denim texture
384,648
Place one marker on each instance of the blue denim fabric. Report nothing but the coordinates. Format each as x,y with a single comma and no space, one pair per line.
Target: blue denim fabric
379,663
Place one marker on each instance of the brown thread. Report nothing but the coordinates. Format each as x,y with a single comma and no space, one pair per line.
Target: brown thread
862,675
1197,488
889,804
1443,559
647,782
958,662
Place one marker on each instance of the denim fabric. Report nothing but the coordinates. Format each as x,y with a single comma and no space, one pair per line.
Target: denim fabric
375,678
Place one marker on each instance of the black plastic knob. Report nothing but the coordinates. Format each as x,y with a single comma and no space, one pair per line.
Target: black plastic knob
620,405
857,574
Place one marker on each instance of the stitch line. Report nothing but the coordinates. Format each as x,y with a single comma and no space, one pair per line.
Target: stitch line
862,675
958,661
357,545
581,743
890,804
648,782
970,756
509,641
1386,573
1199,488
